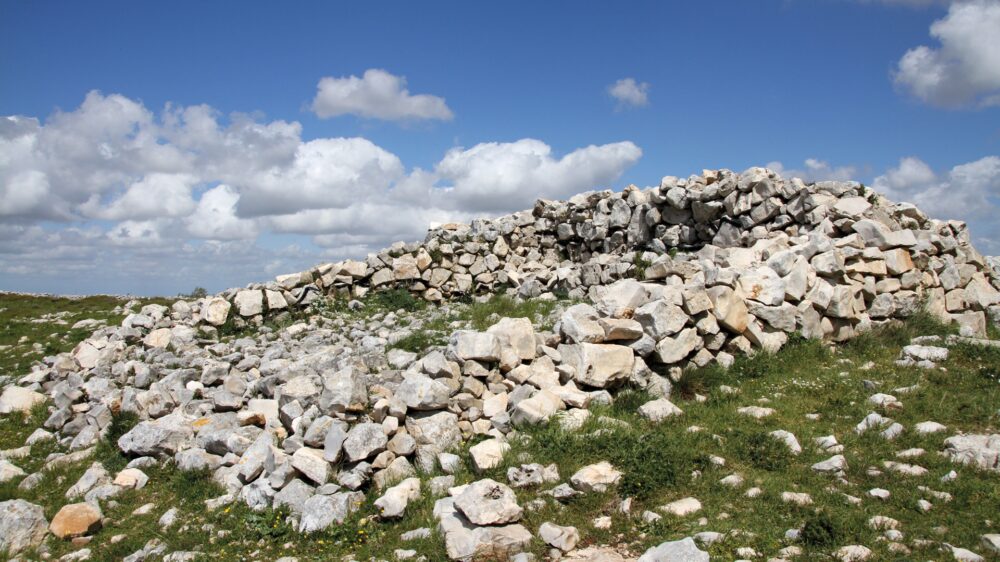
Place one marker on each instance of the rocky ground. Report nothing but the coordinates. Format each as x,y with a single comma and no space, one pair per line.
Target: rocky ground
732,365
796,455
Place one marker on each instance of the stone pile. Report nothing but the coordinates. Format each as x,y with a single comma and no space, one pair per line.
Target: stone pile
319,415
834,244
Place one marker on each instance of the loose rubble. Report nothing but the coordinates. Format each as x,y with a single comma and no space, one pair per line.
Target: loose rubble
318,416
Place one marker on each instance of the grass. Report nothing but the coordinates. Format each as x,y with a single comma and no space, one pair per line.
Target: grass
33,326
660,462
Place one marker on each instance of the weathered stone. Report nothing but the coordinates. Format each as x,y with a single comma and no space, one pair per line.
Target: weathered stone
76,520
364,440
162,436
595,477
22,526
517,334
420,392
393,503
488,502
674,349
319,512
19,399
563,538
684,550
659,410
477,346
729,309
580,324
249,303
215,311
598,365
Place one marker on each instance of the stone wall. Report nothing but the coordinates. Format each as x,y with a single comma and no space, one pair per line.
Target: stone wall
837,254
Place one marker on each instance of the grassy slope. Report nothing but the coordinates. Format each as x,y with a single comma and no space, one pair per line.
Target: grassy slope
806,377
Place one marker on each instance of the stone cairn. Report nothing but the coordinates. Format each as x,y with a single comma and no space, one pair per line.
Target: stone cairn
317,415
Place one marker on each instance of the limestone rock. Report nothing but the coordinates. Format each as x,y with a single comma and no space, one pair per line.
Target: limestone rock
488,502
22,526
598,365
684,550
597,477
76,520
19,399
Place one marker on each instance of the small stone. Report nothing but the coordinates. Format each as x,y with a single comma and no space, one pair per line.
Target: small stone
684,550
596,477
797,498
853,553
563,538
682,507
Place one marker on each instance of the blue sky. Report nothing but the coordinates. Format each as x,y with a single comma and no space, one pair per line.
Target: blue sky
877,91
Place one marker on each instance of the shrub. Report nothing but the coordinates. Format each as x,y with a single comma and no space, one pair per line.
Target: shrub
396,299
820,530
761,450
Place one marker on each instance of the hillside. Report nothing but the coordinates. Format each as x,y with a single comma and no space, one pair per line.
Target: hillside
729,365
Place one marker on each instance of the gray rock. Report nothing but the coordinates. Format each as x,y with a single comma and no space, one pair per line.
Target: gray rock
22,526
160,437
464,541
420,392
684,550
319,512
488,502
467,345
364,440
563,538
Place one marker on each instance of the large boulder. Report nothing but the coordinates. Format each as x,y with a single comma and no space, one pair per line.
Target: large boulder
729,309
488,502
420,392
517,334
598,365
160,437
479,346
76,520
22,526
19,399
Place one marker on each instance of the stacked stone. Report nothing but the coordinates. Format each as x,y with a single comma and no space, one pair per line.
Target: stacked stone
316,415
878,258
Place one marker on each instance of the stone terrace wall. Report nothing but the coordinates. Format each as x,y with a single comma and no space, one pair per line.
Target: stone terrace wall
847,252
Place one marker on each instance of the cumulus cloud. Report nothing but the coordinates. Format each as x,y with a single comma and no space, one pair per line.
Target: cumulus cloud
814,169
629,93
112,181
497,176
376,95
965,69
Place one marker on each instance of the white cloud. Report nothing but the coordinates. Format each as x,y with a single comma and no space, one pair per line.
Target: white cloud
816,170
377,95
965,69
630,93
508,176
324,173
154,195
215,217
112,190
